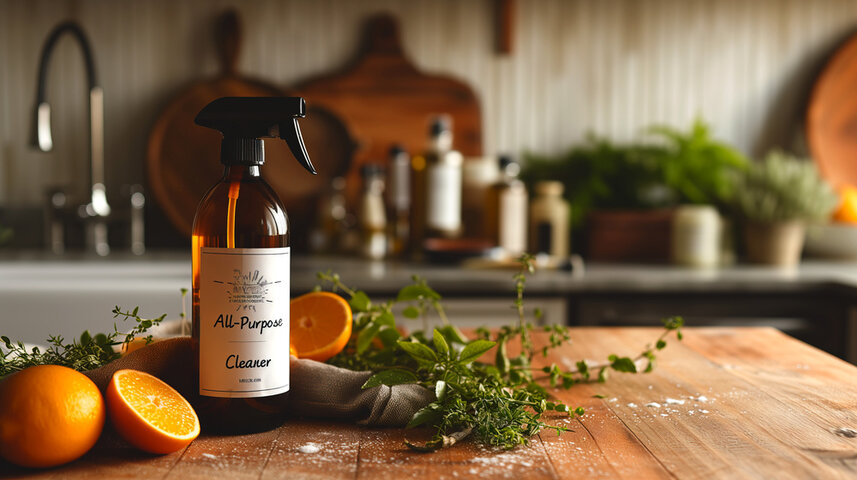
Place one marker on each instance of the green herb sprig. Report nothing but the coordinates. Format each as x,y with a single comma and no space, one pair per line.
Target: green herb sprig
501,403
86,353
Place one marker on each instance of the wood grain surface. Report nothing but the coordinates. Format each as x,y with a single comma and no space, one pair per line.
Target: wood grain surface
732,403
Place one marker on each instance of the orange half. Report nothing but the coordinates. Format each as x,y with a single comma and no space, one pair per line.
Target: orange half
320,325
150,414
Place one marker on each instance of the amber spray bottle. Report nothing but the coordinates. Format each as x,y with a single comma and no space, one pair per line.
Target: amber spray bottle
241,270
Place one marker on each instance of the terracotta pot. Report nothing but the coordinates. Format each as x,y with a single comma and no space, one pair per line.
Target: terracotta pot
629,235
777,244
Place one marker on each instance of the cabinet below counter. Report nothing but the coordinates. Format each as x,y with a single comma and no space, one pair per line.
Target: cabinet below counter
816,302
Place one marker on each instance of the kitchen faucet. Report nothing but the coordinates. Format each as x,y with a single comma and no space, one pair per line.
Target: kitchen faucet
97,210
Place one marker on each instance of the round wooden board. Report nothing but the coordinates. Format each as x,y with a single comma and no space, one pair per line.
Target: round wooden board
183,159
831,121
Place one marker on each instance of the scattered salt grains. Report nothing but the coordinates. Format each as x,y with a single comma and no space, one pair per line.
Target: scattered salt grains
665,415
702,398
673,401
703,411
653,405
208,455
632,405
614,399
309,448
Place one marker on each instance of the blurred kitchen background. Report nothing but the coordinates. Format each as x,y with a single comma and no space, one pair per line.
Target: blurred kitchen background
561,94
573,67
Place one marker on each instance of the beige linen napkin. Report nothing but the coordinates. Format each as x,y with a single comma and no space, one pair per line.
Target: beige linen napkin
317,389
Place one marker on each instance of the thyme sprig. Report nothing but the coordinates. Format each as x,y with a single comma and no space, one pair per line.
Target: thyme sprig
85,353
501,403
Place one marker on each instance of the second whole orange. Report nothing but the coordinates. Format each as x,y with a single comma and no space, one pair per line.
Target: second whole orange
320,325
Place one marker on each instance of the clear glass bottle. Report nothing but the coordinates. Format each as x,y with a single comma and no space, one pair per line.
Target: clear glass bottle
506,208
331,219
373,218
443,183
399,200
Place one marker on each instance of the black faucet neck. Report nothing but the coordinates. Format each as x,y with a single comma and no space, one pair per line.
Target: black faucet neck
77,32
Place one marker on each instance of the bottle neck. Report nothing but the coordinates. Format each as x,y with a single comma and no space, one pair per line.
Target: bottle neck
440,142
242,151
240,172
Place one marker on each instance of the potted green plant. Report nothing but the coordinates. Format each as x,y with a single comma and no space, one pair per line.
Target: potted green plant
623,195
775,198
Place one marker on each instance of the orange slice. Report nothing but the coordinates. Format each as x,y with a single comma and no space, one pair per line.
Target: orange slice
846,212
150,414
320,325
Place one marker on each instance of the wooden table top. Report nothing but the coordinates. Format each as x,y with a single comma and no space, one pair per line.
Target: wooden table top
731,403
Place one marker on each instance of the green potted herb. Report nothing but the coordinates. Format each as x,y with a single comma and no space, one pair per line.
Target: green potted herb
776,198
624,194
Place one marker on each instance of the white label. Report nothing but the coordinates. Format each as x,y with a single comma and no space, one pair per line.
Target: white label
444,197
244,322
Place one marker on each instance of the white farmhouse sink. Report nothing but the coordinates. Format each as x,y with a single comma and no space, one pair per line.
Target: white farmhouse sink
64,297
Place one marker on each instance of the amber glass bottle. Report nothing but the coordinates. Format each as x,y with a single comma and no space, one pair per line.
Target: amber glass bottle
241,272
260,221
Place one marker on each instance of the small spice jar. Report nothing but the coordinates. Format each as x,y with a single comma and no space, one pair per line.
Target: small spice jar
549,221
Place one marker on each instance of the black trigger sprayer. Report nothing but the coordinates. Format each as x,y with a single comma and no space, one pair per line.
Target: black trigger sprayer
244,121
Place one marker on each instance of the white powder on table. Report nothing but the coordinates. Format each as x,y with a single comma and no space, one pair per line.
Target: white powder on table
653,405
309,448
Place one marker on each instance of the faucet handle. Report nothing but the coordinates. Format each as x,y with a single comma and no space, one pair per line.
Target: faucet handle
138,229
56,203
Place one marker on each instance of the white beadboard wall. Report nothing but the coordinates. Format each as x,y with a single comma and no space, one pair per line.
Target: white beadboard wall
608,66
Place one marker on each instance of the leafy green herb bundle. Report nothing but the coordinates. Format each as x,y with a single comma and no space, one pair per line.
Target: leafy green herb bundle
501,402
86,353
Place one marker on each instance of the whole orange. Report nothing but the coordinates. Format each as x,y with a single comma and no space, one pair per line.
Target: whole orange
49,415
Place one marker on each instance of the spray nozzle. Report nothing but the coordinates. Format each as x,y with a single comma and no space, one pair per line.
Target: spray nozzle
244,121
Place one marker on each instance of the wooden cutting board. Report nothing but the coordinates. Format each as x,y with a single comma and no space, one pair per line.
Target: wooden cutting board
182,161
385,100
831,120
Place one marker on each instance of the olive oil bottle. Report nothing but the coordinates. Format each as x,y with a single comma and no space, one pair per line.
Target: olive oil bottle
241,270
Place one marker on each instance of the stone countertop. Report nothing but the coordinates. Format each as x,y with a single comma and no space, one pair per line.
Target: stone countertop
387,277
42,294
27,271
